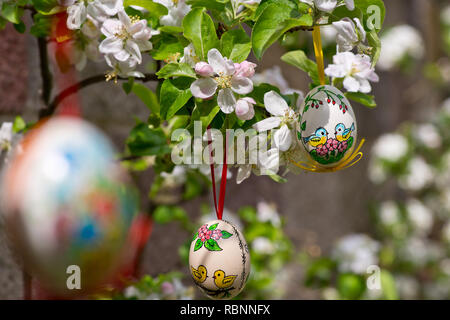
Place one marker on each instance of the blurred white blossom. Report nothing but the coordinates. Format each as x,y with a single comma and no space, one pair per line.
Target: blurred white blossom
267,212
420,217
263,245
419,175
400,42
355,253
408,287
428,135
389,213
391,147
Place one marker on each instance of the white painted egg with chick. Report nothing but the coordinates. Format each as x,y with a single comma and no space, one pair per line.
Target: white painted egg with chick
219,260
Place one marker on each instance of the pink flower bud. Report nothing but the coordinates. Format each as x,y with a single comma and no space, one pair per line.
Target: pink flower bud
244,108
204,69
245,69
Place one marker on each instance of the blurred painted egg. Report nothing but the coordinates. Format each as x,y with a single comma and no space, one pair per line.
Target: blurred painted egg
67,202
327,128
219,260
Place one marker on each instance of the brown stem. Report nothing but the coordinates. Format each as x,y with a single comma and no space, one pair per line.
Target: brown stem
48,111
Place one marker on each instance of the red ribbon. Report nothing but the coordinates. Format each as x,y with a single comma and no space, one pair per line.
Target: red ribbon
223,180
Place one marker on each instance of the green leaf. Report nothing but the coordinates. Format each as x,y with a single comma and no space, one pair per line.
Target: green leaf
303,127
147,96
171,29
375,43
11,12
199,28
260,90
226,234
198,245
166,46
236,45
299,59
19,124
273,23
195,236
128,86
388,285
176,70
212,245
167,214
48,7
350,286
41,26
155,9
20,27
144,141
175,93
213,227
291,4
218,5
204,111
364,99
370,17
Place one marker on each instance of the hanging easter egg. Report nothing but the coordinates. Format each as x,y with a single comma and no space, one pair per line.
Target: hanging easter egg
219,260
327,128
68,206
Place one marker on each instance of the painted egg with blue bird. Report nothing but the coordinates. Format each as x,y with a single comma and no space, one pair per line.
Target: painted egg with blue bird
327,128
66,201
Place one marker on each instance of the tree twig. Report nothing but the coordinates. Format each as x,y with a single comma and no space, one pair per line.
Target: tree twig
48,111
45,71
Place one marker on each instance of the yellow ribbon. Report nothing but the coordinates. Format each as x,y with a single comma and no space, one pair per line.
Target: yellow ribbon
319,54
349,160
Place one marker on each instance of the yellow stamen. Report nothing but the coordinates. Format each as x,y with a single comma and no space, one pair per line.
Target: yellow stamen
223,81
111,75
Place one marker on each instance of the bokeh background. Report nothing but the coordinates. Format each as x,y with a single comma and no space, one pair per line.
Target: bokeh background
314,236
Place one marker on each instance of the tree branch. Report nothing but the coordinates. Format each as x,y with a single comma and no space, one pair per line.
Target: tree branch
48,111
45,70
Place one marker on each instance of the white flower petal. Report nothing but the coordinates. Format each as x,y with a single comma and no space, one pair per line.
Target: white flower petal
226,100
351,84
219,64
267,124
241,85
243,173
275,104
350,4
203,88
326,5
283,138
111,45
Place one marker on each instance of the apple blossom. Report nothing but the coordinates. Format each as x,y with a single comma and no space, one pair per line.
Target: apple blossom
329,5
356,70
244,108
177,9
282,116
122,68
189,56
6,134
349,33
76,15
224,78
126,38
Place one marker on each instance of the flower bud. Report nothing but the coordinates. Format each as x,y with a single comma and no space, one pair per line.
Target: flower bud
204,69
245,69
244,108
